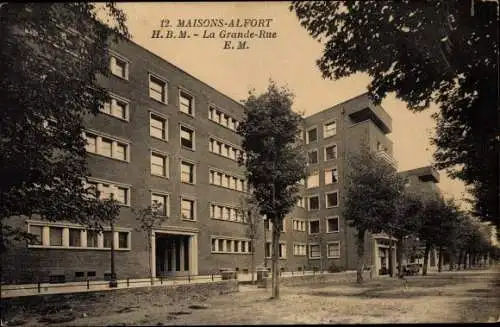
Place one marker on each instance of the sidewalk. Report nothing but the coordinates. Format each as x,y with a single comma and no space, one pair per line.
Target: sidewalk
9,291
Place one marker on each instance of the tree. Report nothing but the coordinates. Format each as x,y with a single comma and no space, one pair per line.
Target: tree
452,238
50,59
250,213
110,212
438,219
405,224
425,52
373,188
148,218
274,159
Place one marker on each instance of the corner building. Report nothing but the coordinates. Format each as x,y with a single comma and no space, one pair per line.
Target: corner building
167,137
329,137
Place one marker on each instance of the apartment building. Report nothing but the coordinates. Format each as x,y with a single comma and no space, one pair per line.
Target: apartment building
167,137
326,240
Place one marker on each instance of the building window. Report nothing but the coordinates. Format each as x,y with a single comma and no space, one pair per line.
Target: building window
223,212
162,201
332,224
121,195
314,227
331,175
187,137
91,143
119,67
230,124
121,152
268,249
186,103
75,237
314,202
105,190
222,119
56,236
314,251
225,245
223,149
123,240
312,157
159,164
330,152
92,239
226,180
312,135
313,179
116,108
329,129
333,250
300,202
158,127
211,113
67,237
187,172
157,89
107,147
299,225
107,239
267,224
38,232
332,199
281,250
187,209
299,249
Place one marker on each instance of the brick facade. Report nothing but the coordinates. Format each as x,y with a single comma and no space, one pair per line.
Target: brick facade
358,122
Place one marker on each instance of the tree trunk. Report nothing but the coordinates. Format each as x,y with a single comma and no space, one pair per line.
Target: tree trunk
391,263
275,269
426,258
265,243
361,256
470,260
453,259
399,253
252,270
465,260
440,259
150,264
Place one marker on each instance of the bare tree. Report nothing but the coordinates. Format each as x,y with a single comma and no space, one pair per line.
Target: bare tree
148,218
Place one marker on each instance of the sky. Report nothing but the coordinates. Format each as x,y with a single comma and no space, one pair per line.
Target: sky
289,59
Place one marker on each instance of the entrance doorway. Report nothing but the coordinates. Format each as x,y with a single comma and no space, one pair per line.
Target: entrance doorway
173,254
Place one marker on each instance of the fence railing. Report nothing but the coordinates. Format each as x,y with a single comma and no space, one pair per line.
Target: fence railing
14,290
38,288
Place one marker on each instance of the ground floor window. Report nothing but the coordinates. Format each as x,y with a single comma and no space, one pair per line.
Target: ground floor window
333,250
314,251
222,244
73,236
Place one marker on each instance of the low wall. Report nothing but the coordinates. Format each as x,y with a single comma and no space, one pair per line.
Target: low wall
333,278
131,296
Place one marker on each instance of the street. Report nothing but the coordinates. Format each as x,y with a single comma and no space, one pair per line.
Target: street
463,296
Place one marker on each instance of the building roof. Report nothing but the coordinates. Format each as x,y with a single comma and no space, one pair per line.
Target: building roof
426,173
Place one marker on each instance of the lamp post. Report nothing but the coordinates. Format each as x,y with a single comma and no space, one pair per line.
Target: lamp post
113,281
